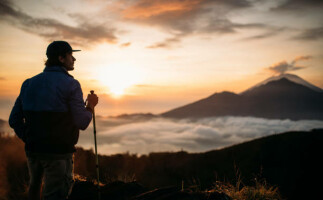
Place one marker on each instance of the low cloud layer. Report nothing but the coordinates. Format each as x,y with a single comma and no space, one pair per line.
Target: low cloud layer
142,136
85,33
283,66
159,134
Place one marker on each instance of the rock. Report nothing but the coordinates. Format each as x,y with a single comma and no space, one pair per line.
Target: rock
83,190
86,190
120,190
218,196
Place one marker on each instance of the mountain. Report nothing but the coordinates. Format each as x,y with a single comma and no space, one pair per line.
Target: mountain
273,99
135,116
290,77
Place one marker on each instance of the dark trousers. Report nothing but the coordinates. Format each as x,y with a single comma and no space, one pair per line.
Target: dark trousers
55,171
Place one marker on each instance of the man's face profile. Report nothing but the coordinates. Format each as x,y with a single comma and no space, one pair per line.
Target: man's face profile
68,61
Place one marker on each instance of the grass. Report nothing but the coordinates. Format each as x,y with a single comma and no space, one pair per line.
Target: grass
259,191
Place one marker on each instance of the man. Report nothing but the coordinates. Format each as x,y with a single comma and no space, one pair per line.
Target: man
47,116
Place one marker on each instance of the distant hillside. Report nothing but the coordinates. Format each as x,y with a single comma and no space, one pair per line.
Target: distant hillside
277,99
289,161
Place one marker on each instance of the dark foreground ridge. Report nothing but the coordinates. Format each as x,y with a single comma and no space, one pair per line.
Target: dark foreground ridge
85,190
287,161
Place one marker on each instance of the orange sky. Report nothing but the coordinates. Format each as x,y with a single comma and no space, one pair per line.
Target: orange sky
152,56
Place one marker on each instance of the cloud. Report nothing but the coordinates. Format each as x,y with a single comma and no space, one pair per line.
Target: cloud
272,31
127,44
261,36
283,66
299,58
311,9
299,5
182,18
219,26
5,128
167,43
119,135
85,33
161,10
311,34
2,78
160,134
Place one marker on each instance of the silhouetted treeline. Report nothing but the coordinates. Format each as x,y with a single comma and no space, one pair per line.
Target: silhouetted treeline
13,168
290,161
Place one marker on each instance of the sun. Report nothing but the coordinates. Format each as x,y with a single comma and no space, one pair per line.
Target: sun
118,77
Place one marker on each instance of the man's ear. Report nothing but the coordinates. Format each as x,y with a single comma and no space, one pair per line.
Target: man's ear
61,59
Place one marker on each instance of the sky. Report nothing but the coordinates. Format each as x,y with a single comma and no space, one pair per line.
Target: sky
153,56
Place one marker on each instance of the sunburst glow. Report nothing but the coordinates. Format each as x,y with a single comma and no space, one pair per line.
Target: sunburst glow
119,77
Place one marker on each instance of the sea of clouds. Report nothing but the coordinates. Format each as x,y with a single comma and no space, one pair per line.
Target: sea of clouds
116,135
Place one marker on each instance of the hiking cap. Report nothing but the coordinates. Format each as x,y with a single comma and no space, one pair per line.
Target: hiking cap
59,48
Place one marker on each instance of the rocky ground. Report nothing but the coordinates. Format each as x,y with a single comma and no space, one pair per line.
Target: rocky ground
85,190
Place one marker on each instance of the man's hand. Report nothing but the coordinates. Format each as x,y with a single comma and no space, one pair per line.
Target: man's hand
92,101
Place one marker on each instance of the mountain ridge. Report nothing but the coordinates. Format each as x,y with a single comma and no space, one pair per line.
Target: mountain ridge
292,77
277,99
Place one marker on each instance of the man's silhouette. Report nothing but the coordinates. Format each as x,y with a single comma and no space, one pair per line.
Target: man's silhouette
47,116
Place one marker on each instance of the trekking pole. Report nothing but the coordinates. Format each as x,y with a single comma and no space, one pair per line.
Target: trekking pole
96,153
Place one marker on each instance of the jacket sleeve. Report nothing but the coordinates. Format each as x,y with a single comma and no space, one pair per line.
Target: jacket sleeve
17,120
81,116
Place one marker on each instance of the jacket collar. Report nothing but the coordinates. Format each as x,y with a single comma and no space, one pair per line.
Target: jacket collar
56,69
